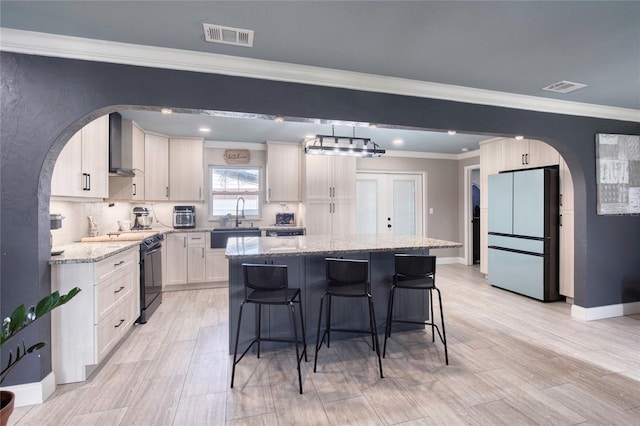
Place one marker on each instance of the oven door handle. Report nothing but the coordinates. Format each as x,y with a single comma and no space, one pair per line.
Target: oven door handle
147,253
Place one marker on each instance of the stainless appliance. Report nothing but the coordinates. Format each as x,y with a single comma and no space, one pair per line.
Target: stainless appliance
184,217
150,276
523,219
284,232
142,219
285,219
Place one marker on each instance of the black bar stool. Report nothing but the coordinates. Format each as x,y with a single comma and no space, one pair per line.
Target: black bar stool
418,273
347,278
269,285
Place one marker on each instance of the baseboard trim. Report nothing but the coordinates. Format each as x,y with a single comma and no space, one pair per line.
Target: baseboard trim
33,393
449,260
602,312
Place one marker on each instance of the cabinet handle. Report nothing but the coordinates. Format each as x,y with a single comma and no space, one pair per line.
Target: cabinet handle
269,194
119,324
560,220
119,290
184,242
200,193
203,252
115,265
167,192
560,199
523,163
135,189
88,181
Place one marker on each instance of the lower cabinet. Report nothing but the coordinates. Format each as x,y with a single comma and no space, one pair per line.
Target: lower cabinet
85,330
191,260
566,253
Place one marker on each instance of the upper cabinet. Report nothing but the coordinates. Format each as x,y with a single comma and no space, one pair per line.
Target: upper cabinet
566,188
185,169
330,195
283,172
130,188
527,153
82,168
156,167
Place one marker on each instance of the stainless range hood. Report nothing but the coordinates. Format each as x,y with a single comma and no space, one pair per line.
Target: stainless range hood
117,164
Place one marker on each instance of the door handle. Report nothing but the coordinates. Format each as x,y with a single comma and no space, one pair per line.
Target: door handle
389,226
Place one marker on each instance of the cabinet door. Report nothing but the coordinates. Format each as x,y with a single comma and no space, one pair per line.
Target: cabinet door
95,157
283,172
528,203
484,249
217,266
501,203
318,217
196,257
137,162
566,187
156,167
566,254
176,258
343,221
513,153
343,180
67,179
319,169
541,154
490,163
185,169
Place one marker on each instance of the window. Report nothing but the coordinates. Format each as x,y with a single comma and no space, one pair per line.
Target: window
228,184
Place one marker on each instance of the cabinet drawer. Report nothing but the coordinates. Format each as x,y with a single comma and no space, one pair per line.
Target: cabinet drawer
113,289
114,326
196,239
116,263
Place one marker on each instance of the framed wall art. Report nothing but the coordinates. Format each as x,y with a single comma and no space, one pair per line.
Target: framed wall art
618,174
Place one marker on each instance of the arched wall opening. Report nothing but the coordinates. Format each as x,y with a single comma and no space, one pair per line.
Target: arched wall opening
61,95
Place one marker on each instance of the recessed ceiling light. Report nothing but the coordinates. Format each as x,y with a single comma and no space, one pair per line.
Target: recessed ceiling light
204,129
519,137
166,110
451,132
279,119
465,149
398,141
372,125
310,136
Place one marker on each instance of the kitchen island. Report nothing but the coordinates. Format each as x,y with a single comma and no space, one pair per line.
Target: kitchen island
305,257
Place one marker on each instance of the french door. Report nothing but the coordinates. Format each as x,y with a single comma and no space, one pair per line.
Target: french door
389,203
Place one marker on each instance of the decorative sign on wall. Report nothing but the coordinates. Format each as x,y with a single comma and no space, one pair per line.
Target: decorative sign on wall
237,156
618,174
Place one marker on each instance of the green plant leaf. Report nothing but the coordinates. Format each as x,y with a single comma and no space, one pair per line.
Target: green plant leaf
17,319
45,305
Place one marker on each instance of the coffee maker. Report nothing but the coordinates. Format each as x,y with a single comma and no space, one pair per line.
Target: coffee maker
142,219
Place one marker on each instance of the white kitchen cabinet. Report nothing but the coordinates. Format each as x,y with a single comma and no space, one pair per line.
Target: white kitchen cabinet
82,169
330,195
490,163
186,169
186,260
527,153
566,187
566,253
217,265
130,188
283,172
156,167
85,330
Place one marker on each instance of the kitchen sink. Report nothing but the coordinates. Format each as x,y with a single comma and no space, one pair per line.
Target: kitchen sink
219,236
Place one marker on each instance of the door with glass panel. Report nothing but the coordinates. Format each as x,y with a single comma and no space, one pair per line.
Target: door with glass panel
389,203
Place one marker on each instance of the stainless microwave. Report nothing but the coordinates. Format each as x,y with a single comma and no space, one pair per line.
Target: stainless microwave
184,217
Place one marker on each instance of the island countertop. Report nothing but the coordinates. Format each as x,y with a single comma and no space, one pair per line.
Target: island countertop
319,244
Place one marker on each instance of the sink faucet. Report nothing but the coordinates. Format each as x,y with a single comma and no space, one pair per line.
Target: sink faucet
237,205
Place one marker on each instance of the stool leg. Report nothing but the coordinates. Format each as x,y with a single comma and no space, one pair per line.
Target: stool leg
444,335
387,328
374,331
318,340
304,337
235,351
259,325
433,326
295,337
328,318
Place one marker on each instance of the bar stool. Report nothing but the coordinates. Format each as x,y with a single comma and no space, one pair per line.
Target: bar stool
269,285
347,278
415,272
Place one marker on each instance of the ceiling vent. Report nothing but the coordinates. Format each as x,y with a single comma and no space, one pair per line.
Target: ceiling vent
564,86
228,35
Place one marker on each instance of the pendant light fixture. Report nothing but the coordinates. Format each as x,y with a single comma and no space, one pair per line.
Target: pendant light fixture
342,145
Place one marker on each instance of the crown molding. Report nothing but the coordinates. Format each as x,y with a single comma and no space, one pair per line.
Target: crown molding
35,43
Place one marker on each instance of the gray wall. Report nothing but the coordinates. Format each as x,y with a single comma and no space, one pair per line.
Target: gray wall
45,100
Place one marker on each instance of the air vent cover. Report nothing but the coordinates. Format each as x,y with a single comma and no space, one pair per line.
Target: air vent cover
564,86
228,35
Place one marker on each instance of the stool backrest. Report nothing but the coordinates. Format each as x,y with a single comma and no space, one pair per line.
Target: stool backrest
410,266
347,271
265,277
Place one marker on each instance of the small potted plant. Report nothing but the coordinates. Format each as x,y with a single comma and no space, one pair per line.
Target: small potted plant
11,325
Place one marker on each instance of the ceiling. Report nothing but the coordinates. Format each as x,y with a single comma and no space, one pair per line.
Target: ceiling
515,47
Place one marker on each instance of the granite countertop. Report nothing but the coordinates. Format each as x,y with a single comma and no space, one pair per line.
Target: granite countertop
317,244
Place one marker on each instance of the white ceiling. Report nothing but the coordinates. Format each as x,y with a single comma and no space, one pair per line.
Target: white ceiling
514,47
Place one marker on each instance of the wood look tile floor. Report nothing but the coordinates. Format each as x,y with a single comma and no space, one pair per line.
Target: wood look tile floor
513,361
